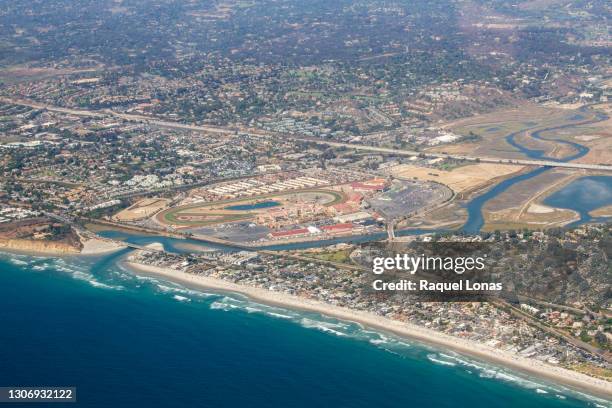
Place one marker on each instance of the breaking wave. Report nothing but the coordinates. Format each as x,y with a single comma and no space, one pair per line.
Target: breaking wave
433,359
115,277
324,326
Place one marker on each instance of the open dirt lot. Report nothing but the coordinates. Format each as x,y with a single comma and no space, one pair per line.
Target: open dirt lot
17,74
142,209
461,179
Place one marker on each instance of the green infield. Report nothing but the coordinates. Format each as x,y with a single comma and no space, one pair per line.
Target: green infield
218,212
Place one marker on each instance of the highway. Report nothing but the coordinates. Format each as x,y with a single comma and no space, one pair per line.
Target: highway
522,162
375,149
257,133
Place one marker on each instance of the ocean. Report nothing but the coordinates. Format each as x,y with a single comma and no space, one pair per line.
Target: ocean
128,341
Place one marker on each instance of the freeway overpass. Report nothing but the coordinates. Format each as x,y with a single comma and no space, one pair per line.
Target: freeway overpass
523,162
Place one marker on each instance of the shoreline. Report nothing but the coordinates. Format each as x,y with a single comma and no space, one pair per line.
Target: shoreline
38,247
574,380
87,246
97,246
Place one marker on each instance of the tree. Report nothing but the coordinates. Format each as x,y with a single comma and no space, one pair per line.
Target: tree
601,338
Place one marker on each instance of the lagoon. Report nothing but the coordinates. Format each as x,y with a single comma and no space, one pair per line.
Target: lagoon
583,196
255,206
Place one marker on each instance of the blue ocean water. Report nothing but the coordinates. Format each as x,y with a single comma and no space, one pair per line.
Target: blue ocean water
128,341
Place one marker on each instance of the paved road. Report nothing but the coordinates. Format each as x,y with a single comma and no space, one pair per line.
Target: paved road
207,240
400,152
606,355
257,133
527,162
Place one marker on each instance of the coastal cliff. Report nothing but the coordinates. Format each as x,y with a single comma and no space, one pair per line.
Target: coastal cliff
39,246
39,235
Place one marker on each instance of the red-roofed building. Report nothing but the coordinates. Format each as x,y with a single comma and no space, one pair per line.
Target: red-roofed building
290,233
337,228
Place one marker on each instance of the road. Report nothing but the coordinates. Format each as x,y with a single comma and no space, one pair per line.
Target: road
257,133
522,162
82,231
606,355
207,240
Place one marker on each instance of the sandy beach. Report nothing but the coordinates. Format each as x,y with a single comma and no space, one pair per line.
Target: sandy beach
578,381
91,246
95,246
